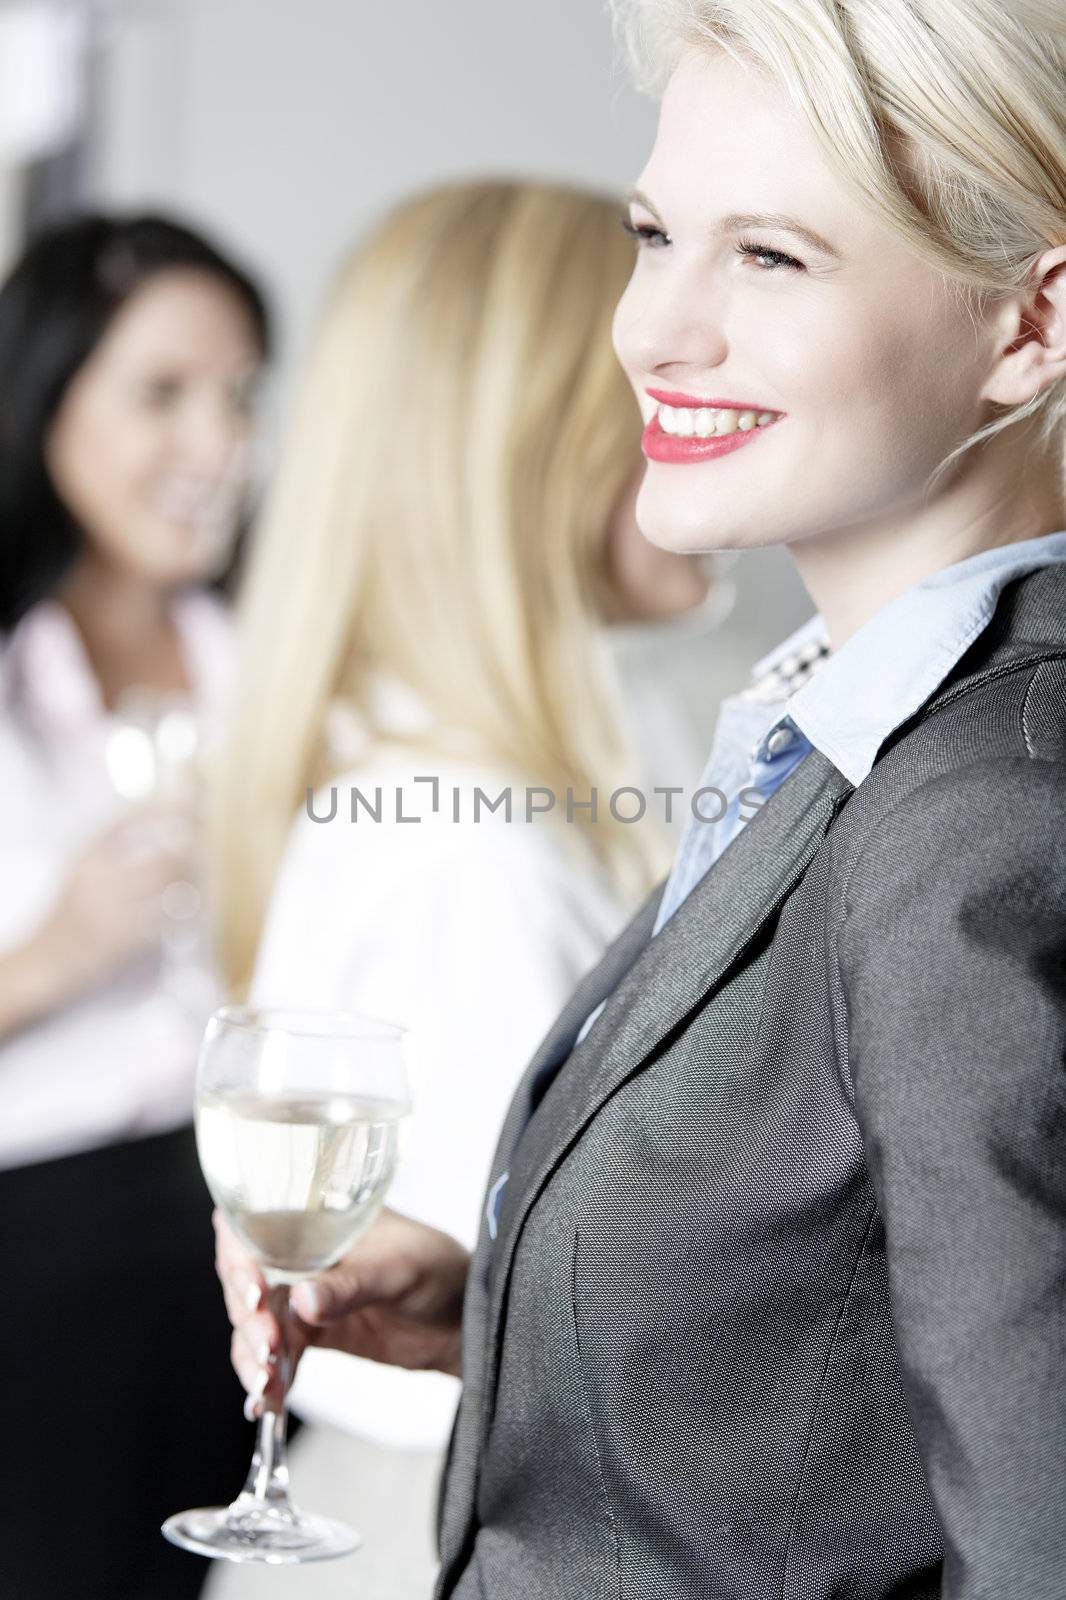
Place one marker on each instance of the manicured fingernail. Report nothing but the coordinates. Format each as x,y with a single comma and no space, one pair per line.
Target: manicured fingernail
264,1355
252,1296
255,1395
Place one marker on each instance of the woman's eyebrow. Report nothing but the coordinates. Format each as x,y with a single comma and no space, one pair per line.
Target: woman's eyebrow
740,222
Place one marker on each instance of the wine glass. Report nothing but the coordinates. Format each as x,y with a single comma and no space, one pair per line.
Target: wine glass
156,759
297,1127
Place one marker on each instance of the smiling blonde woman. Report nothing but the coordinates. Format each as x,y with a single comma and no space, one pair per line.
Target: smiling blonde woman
426,619
769,1299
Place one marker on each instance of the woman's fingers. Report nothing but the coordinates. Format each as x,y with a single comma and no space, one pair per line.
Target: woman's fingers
378,1269
243,1294
244,1362
262,1336
336,1293
230,1254
261,1381
242,1281
263,1364
263,1359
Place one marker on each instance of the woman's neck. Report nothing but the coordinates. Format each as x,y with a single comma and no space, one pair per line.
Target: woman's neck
126,627
1011,490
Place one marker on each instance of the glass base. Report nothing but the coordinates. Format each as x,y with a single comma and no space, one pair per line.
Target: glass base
254,1531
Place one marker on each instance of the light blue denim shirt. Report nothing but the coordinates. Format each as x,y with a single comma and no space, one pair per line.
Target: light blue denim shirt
856,698
881,676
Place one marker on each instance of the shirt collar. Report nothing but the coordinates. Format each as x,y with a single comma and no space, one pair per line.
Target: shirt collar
46,673
880,677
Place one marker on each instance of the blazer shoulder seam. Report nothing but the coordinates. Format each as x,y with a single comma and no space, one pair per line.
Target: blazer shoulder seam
1031,741
958,691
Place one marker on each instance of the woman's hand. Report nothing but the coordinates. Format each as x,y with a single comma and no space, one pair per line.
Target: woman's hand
111,905
397,1297
110,909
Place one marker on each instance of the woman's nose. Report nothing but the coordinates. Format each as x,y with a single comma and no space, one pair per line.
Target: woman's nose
670,323
213,435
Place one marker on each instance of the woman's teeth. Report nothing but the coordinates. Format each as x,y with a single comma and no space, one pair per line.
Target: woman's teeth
704,422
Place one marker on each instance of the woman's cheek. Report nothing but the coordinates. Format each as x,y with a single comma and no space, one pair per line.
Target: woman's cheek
796,357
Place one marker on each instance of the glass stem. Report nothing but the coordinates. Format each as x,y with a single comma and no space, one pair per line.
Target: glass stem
268,1477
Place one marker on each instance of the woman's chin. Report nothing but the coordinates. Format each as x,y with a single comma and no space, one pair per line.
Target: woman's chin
183,553
687,530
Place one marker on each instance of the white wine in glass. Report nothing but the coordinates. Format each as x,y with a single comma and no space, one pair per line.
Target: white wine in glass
297,1123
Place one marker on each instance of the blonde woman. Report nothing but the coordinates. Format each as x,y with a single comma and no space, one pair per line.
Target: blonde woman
451,528
773,1302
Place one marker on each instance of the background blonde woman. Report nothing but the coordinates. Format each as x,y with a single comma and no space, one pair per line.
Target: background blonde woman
451,525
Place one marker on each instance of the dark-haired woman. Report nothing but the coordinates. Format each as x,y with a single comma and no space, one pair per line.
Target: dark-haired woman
129,353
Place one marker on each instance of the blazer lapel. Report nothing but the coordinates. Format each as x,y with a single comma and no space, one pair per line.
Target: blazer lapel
674,973
649,987
594,988
457,1507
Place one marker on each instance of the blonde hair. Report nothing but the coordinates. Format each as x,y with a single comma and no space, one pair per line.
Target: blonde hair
461,442
947,116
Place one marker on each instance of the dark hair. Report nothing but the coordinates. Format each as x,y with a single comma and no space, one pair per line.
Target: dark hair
54,309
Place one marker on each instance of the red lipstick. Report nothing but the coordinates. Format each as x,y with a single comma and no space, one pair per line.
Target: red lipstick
667,397
675,450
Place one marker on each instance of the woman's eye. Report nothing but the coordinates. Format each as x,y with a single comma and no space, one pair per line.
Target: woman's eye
645,233
159,394
769,260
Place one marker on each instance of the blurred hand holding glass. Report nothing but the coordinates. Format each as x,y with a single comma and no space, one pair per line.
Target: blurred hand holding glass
297,1125
155,761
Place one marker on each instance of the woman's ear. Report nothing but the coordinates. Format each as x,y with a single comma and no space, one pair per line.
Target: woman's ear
1032,327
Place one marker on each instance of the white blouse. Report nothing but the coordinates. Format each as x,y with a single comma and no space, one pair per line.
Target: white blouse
118,1061
470,934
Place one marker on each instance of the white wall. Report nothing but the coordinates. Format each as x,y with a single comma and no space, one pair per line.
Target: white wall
287,125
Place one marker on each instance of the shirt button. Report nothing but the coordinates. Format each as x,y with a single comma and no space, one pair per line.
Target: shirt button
779,740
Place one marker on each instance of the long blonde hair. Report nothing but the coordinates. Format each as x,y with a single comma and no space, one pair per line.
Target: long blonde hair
970,93
462,439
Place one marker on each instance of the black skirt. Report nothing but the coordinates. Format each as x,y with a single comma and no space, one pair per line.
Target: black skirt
117,1401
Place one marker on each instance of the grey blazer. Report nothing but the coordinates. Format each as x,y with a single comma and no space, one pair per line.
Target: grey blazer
777,1303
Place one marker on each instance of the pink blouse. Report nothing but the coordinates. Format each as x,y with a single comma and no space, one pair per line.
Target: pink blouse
118,1061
